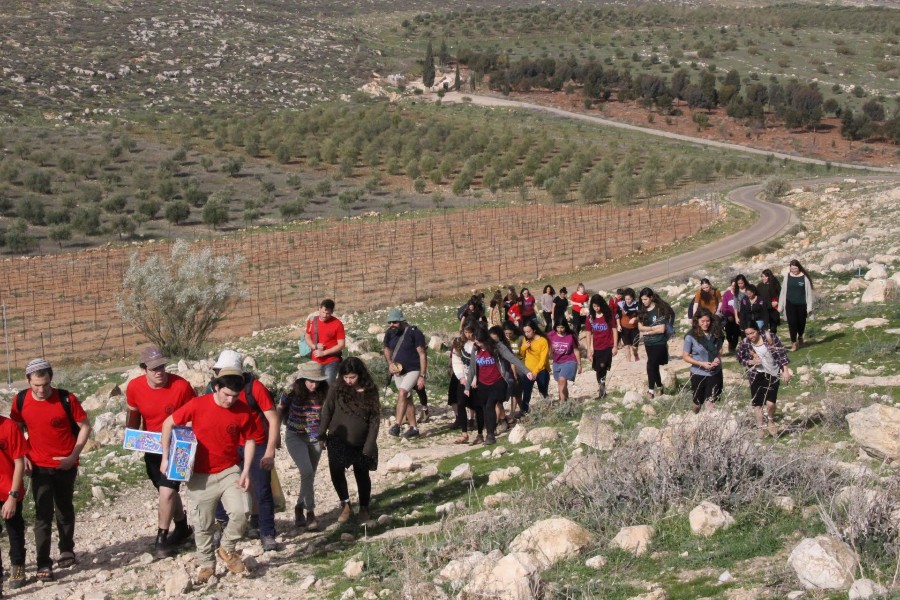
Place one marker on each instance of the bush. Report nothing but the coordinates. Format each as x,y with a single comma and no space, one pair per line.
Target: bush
177,212
177,301
37,181
775,188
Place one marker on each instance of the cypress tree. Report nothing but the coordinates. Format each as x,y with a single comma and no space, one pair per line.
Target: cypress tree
457,82
428,67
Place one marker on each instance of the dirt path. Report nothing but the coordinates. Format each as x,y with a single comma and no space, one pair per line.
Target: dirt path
492,101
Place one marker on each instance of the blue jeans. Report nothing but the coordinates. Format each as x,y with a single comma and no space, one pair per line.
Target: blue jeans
543,383
260,489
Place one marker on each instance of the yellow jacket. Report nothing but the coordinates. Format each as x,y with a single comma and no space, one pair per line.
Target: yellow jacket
536,354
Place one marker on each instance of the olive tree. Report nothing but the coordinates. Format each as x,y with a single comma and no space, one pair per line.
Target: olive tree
177,301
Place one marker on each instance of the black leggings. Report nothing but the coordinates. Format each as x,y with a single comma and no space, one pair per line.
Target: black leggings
796,318
732,332
656,356
548,320
577,322
462,403
363,483
488,398
600,362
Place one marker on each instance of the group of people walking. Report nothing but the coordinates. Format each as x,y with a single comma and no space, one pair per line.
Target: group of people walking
503,350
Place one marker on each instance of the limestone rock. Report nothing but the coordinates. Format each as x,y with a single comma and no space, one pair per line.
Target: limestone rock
824,563
178,583
580,472
876,271
707,518
436,343
552,540
656,594
400,462
837,369
375,328
495,500
870,322
500,475
593,432
463,471
353,568
635,539
881,290
516,576
542,435
596,562
457,571
863,589
632,399
517,435
876,429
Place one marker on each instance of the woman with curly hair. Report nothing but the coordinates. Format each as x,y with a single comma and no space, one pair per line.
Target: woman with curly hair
655,316
299,408
547,305
349,430
766,361
629,308
703,351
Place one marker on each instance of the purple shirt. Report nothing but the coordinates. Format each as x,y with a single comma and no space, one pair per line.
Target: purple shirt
562,347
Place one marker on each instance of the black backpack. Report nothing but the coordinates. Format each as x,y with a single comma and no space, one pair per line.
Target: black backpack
251,401
63,399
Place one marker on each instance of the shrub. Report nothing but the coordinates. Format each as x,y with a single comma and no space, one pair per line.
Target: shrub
37,181
775,188
215,213
177,301
177,212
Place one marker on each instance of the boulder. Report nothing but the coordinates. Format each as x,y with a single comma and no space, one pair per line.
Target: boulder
353,568
876,429
457,571
824,563
374,329
500,475
517,435
463,471
552,540
495,500
632,399
400,462
876,271
516,576
837,369
881,290
436,343
593,432
635,539
863,589
870,322
178,582
580,472
707,518
596,562
542,435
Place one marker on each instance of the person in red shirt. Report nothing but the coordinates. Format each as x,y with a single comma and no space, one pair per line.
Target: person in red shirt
220,424
603,343
13,448
151,398
58,429
579,305
325,335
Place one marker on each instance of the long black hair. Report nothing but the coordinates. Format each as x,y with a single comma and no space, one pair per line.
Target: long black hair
484,339
604,308
662,307
773,285
358,367
796,263
299,394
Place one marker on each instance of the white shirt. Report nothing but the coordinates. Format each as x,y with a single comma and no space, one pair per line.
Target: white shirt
766,360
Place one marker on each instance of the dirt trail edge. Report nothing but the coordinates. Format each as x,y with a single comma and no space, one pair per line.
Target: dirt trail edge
494,102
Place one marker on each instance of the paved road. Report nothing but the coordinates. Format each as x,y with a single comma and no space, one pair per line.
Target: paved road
493,101
773,220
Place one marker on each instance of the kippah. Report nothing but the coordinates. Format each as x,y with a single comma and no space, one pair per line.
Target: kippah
38,364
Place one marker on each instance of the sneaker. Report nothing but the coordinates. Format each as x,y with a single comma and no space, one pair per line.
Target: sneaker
205,574
161,547
424,415
311,523
269,544
181,534
394,430
16,577
299,519
602,390
479,439
232,560
412,432
490,440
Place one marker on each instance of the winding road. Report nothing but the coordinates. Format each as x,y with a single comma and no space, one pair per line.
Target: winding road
773,220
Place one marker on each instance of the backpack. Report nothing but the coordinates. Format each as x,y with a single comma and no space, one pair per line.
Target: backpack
670,328
248,393
302,346
63,399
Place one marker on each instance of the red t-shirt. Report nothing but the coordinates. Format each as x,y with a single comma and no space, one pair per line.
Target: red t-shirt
12,446
514,314
602,332
614,306
488,368
219,431
154,405
264,401
577,300
330,332
49,430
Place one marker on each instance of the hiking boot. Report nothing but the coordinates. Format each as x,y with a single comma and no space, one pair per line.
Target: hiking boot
205,574
311,523
253,527
346,513
479,439
424,415
161,547
394,430
182,533
217,534
299,519
363,516
232,560
411,433
17,577
269,544
490,440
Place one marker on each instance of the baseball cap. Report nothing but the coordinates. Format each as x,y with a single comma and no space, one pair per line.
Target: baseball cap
152,357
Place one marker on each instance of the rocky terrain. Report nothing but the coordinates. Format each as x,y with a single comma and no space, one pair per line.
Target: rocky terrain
614,498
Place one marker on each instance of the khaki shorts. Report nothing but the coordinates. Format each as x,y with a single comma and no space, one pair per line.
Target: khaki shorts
406,381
